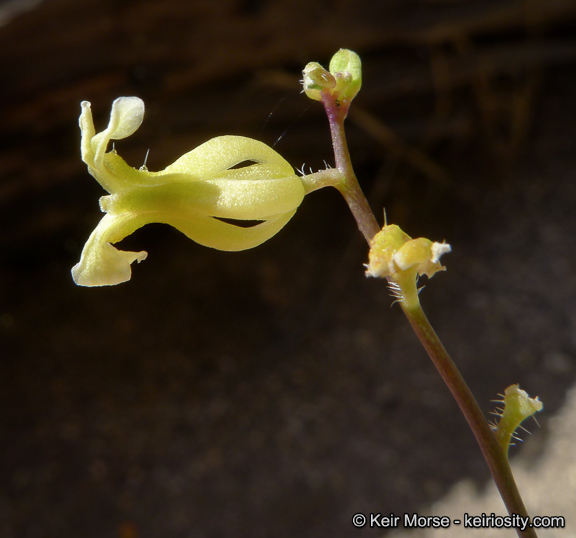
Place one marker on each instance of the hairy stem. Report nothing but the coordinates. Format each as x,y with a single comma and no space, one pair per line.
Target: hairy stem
349,186
346,182
495,457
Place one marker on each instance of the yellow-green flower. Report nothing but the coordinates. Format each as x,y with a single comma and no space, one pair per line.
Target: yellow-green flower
394,255
192,194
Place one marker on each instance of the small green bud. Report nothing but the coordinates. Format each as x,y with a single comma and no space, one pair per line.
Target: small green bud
316,79
343,80
346,67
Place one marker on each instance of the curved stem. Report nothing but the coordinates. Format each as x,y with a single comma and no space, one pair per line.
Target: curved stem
349,186
495,457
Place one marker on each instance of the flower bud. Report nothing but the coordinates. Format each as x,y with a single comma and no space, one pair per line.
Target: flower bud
518,406
316,79
346,67
342,81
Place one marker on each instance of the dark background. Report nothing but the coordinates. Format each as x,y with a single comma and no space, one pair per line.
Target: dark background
274,392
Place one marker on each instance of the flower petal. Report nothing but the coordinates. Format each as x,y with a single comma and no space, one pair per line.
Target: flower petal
101,264
224,152
220,235
125,117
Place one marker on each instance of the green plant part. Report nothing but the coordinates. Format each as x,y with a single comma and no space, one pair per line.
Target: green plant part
316,79
395,256
192,194
343,80
335,89
518,406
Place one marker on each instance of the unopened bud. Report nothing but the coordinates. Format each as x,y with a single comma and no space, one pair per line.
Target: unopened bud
343,80
316,79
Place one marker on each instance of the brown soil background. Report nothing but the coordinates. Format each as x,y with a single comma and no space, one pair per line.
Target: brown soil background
274,392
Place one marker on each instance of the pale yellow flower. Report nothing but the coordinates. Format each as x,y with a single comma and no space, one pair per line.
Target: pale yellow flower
192,194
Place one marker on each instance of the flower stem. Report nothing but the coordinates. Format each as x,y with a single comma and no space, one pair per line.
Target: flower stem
496,458
348,186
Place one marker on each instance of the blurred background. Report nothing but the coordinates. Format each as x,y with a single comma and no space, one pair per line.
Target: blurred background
276,392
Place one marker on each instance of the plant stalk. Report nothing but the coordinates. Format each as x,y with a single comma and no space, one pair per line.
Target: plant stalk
349,186
495,457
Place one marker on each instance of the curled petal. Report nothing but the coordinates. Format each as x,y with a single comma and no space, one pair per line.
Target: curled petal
223,152
226,236
106,266
422,254
125,117
101,264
